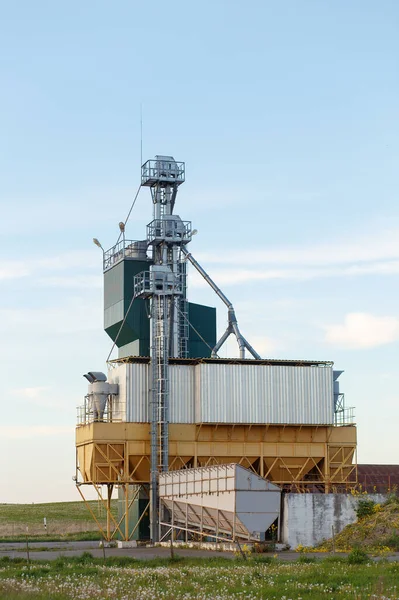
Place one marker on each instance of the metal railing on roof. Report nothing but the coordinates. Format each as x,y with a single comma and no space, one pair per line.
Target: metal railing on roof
125,249
113,413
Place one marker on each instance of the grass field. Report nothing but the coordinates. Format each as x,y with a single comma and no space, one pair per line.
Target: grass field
63,519
202,579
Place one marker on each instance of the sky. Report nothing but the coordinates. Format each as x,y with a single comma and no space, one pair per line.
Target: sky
286,114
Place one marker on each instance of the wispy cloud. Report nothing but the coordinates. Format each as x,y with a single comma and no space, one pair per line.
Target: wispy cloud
263,345
31,393
74,315
376,254
72,282
13,432
40,395
363,330
367,248
17,269
229,276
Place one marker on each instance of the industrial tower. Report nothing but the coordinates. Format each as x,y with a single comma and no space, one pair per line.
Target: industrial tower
306,442
164,284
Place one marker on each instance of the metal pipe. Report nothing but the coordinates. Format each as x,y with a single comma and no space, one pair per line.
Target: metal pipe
207,278
221,342
232,326
251,350
240,341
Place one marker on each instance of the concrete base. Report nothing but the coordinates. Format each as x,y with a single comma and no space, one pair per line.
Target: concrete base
219,546
308,519
216,546
131,544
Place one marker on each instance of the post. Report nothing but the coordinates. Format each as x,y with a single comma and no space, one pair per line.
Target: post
186,522
126,512
172,553
27,547
326,470
109,497
333,539
240,549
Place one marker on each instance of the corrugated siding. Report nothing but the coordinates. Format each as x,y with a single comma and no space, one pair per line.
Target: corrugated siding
264,394
135,388
118,375
137,393
181,393
223,393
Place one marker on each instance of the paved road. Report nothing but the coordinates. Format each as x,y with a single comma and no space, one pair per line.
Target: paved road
52,550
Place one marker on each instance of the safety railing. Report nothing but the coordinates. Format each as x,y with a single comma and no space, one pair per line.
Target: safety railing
124,249
113,412
170,230
167,171
148,283
344,416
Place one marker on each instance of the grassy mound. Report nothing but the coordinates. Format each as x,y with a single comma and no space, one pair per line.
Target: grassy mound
376,530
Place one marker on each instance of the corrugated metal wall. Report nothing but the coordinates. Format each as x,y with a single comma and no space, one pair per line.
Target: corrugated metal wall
137,391
135,386
223,393
182,393
264,394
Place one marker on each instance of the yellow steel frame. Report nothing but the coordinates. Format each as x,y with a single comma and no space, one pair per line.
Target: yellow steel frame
299,458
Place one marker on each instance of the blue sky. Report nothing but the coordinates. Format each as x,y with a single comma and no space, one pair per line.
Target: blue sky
286,114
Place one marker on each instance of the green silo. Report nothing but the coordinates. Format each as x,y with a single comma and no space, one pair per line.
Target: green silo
134,337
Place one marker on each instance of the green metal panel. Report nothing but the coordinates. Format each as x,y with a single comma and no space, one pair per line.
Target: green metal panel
137,508
203,319
134,337
118,293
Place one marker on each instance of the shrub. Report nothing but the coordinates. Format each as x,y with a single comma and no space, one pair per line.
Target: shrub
262,547
84,558
392,498
266,560
392,542
365,508
357,556
306,559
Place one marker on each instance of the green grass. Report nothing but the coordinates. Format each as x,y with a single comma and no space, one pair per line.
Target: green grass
84,536
28,514
65,521
217,577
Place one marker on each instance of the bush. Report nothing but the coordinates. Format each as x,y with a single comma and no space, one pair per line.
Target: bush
262,547
365,508
84,558
358,556
266,560
392,498
392,542
13,561
306,559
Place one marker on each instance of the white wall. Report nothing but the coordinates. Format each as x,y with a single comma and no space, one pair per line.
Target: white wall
307,519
